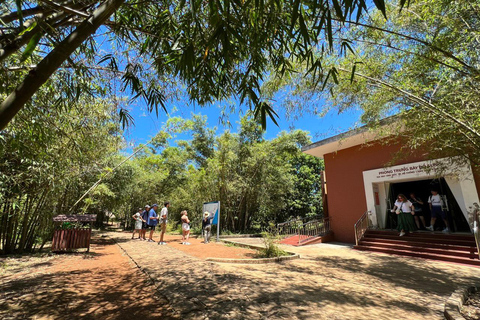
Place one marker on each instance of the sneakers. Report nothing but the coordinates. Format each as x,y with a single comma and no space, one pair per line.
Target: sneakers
430,228
446,230
402,234
162,243
150,240
187,243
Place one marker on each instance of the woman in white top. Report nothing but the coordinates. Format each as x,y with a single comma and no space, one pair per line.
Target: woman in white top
138,223
405,211
185,228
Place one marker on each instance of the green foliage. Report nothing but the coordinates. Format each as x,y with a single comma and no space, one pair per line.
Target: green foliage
271,249
422,64
47,160
218,49
255,180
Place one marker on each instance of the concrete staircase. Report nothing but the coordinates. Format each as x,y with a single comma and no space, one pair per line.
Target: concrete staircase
306,240
458,248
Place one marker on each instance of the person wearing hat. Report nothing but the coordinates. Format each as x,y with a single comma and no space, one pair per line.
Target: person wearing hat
152,221
144,224
206,226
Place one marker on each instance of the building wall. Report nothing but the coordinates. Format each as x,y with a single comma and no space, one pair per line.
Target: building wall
345,188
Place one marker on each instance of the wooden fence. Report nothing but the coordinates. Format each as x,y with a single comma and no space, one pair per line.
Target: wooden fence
69,239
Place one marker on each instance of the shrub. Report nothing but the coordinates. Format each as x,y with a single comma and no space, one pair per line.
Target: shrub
271,249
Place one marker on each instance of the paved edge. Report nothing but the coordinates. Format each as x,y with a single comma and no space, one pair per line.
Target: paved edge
254,261
291,255
457,299
152,280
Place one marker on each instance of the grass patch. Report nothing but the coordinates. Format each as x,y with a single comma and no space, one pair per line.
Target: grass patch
271,249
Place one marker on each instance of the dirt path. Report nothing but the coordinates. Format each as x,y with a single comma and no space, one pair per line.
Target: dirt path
329,282
103,284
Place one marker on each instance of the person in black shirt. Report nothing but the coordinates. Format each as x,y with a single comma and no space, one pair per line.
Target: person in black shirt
206,226
417,204
144,224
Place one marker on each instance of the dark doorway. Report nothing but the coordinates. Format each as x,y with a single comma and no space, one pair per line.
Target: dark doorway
422,190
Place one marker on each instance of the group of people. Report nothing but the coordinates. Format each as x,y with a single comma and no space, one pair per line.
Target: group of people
409,212
148,219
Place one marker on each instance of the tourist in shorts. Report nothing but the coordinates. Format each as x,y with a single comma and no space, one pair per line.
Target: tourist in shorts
152,221
185,228
163,222
435,202
138,224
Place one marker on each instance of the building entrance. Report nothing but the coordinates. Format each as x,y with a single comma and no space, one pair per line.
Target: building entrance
422,191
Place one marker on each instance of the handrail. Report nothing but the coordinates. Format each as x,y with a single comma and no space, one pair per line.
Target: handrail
289,228
313,229
361,226
292,227
476,226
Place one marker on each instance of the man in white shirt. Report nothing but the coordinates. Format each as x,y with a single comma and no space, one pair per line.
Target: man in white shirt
163,222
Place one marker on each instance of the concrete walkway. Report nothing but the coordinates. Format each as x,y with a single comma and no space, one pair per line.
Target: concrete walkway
329,282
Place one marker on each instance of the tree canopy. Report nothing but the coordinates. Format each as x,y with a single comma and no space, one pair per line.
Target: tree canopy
216,48
422,64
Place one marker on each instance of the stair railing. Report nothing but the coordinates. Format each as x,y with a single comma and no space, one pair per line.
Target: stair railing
289,228
313,229
476,226
362,225
292,227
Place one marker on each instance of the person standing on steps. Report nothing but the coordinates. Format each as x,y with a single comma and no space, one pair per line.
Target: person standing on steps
405,211
206,226
417,204
144,224
435,202
185,228
138,223
163,222
152,221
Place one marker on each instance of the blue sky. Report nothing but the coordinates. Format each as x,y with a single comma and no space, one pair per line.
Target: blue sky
147,124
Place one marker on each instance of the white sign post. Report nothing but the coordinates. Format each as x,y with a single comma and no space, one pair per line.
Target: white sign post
214,209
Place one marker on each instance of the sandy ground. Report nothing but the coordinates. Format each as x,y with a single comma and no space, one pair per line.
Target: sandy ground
134,279
200,250
102,284
329,282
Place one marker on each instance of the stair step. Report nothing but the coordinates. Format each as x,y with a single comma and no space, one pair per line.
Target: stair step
409,237
468,252
425,255
426,234
413,243
442,246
